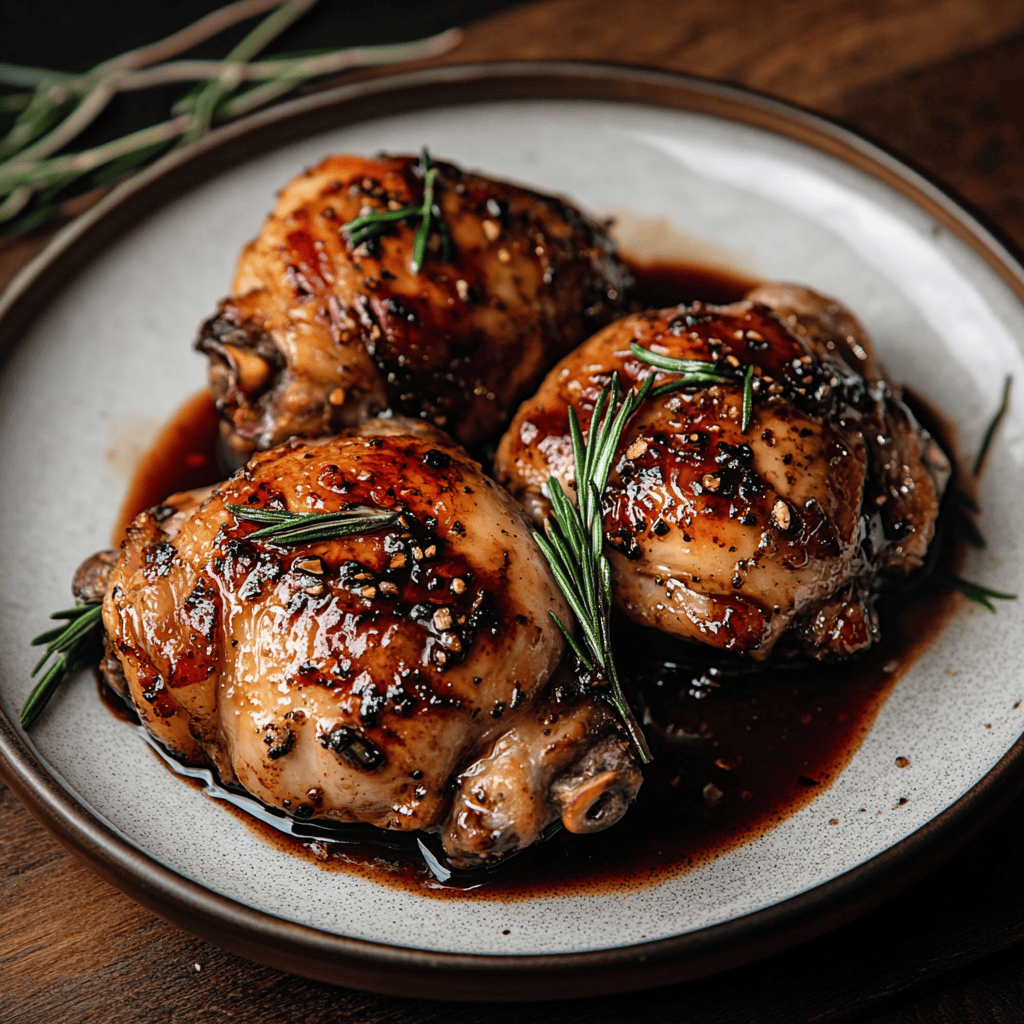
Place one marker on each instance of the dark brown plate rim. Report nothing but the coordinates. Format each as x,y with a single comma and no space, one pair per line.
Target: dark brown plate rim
416,972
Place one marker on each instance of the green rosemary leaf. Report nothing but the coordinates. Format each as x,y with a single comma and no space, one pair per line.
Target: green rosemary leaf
695,372
259,513
693,380
50,634
566,523
668,363
584,660
574,543
419,249
370,225
990,431
77,642
285,527
606,580
587,452
748,398
41,693
67,613
980,594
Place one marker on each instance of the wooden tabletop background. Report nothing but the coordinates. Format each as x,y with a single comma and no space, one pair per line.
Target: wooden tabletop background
940,82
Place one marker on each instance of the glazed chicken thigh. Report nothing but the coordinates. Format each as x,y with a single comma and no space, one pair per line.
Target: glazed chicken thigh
404,677
320,333
734,537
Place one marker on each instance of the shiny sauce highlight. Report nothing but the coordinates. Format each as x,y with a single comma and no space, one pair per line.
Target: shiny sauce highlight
738,748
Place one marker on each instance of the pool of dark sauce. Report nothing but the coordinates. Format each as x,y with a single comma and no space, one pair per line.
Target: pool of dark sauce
738,748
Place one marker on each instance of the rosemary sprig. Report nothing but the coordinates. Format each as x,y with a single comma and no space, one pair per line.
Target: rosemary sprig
284,527
964,521
574,546
694,373
993,426
978,593
35,170
370,225
76,643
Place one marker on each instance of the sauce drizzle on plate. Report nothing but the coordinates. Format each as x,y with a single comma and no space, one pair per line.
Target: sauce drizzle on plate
738,748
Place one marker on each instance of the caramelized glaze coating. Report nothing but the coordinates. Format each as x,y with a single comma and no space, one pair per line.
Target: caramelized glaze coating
399,678
318,335
732,538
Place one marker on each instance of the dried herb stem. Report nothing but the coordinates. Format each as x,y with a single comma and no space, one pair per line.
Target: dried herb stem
206,99
61,105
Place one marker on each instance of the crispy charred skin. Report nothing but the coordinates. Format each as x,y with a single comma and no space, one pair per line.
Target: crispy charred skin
732,538
357,678
318,335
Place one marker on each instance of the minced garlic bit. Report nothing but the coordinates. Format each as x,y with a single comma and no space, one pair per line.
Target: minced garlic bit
636,449
780,515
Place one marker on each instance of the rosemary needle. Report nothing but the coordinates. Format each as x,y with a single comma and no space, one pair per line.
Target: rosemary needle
993,426
963,506
285,527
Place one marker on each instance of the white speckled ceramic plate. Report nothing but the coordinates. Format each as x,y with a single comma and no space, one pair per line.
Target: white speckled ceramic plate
97,355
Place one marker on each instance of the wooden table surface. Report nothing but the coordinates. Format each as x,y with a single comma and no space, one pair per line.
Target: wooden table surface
941,82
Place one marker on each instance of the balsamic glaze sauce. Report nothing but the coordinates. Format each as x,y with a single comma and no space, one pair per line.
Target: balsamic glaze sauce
738,747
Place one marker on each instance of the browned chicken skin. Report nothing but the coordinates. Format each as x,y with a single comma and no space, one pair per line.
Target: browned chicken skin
318,334
402,678
733,537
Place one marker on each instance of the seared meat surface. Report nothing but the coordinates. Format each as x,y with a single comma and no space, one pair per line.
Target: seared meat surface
402,678
319,334
734,538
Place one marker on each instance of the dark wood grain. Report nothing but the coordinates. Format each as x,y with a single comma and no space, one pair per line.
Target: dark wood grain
962,121
941,82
